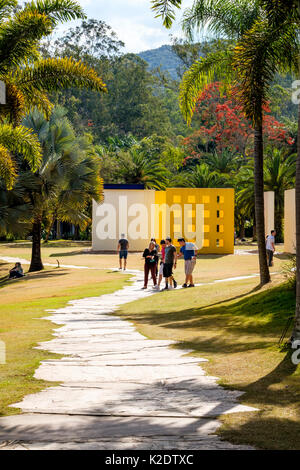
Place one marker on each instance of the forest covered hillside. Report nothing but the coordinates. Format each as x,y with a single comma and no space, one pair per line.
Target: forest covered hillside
163,57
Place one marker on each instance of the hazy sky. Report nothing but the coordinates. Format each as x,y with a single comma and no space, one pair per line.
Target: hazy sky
133,21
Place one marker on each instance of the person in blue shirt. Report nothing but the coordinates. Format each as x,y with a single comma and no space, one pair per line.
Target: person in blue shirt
189,251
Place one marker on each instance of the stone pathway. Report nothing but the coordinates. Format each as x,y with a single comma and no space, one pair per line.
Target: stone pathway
119,390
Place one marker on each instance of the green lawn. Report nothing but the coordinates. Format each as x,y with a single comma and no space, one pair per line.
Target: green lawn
237,327
22,304
209,267
234,324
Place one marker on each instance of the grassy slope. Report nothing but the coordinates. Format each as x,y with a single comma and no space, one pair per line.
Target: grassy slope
22,303
237,327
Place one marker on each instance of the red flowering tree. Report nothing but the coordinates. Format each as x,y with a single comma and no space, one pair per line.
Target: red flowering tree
223,126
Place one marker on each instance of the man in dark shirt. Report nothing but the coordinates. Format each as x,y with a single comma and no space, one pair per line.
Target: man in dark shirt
123,247
169,264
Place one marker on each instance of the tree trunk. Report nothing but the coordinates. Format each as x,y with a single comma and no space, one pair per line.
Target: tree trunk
58,231
36,258
254,236
296,330
242,231
259,204
77,232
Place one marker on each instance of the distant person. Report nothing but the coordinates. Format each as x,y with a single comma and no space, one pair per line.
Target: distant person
123,247
189,253
151,260
169,264
16,272
270,245
162,260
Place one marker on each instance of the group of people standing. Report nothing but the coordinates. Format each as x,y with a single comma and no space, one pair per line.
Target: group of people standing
161,260
165,256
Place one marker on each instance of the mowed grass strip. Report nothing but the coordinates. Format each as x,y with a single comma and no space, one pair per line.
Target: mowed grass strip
236,326
209,267
22,303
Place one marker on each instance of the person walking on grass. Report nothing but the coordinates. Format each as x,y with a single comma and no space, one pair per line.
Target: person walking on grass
151,260
169,264
123,247
270,245
189,252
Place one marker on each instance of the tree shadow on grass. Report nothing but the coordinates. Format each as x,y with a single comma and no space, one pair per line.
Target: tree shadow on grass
70,253
263,313
5,281
265,429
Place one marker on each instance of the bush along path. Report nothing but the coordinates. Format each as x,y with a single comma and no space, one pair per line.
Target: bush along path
119,390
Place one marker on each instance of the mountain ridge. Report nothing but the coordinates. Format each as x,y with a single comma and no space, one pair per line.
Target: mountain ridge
162,57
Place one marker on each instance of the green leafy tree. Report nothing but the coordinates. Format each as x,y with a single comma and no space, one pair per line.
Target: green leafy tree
234,20
27,78
62,187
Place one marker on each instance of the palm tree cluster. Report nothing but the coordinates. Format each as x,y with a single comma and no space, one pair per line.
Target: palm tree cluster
38,155
263,39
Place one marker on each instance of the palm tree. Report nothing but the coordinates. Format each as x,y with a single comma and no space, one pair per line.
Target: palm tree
67,179
284,20
136,167
224,162
201,176
27,78
232,19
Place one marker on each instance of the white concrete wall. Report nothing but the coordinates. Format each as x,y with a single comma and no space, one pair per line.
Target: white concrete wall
123,211
290,221
269,212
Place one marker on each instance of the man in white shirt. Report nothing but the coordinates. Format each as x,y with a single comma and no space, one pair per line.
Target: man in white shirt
270,245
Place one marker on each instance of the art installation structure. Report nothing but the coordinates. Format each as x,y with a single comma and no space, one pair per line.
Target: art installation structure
269,212
290,221
205,216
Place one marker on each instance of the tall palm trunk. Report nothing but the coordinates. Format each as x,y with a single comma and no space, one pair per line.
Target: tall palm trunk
259,203
296,331
36,259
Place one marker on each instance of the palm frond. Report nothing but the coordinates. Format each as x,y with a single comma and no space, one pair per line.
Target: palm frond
15,106
221,17
22,141
257,58
279,11
57,10
19,36
202,73
7,167
54,74
165,9
7,8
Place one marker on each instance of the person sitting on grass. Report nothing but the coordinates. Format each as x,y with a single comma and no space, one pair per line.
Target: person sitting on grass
16,272
151,260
